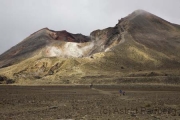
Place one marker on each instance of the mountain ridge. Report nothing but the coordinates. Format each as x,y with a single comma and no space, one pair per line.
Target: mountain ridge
140,44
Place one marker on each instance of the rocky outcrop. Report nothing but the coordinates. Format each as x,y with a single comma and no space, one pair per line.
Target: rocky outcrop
5,80
68,37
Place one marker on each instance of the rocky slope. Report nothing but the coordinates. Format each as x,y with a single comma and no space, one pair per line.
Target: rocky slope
139,45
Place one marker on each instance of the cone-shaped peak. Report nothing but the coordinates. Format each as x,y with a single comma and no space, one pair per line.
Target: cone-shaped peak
140,12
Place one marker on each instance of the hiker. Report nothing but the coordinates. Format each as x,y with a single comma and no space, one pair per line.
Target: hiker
91,85
121,92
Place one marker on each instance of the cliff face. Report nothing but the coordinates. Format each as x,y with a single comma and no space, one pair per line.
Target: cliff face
138,44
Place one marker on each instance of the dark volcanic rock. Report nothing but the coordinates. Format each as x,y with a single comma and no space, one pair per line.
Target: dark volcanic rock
5,80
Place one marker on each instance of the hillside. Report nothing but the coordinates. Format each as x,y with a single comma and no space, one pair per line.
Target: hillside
141,48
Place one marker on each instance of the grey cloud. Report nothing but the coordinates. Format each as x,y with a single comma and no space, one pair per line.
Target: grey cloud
20,18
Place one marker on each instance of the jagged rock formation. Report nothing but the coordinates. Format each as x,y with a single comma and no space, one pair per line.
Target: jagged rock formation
138,45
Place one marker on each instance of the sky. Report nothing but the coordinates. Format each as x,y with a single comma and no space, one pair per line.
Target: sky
20,18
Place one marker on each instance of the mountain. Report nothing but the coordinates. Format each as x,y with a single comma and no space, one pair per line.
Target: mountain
139,48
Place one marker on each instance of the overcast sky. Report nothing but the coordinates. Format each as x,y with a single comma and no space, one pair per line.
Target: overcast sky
20,18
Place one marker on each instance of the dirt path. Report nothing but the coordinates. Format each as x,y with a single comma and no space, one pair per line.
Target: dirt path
123,39
117,96
102,91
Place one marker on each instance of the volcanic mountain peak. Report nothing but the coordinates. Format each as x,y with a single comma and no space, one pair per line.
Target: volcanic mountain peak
140,41
140,12
68,37
141,16
135,14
